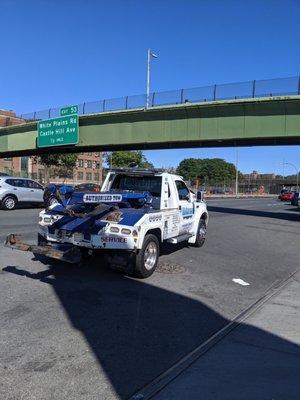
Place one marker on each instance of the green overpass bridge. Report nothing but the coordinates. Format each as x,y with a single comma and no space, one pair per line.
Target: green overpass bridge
250,121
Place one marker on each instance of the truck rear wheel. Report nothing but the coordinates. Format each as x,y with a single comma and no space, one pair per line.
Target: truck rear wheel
147,258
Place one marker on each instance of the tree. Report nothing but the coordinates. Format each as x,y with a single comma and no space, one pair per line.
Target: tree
120,159
62,163
210,170
189,168
66,165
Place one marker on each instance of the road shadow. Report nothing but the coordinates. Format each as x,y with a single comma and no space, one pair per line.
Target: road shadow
136,330
293,209
169,248
256,213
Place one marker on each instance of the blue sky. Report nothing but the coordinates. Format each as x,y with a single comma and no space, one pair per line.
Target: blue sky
69,51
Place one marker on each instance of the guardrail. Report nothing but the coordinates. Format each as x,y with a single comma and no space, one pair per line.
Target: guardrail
227,91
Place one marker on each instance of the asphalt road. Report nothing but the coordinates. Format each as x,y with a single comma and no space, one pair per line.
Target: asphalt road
91,333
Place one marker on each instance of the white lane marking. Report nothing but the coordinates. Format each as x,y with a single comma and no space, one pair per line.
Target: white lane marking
240,282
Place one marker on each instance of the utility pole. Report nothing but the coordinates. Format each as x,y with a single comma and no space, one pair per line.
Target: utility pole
100,169
249,180
150,54
237,173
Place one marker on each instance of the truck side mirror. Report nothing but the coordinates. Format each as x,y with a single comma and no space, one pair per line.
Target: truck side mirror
200,196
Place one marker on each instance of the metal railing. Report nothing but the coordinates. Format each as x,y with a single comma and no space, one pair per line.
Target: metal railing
227,91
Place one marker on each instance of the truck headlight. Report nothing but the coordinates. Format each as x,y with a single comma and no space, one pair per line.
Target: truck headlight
126,231
49,219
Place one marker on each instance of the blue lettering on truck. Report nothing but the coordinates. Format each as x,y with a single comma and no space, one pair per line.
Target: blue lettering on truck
187,212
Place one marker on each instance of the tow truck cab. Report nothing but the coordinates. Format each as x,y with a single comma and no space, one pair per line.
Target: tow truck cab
173,207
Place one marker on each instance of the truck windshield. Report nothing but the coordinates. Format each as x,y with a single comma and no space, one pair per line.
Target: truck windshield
150,184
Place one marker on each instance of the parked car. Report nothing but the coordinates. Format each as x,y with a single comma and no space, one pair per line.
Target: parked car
50,193
14,190
285,195
217,190
295,199
88,187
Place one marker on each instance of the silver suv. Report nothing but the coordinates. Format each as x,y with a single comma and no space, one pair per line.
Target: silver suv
19,190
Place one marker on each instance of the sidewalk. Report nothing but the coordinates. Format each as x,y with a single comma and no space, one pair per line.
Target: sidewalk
259,360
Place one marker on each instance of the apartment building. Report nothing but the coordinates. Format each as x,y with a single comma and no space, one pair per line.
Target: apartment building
8,118
88,169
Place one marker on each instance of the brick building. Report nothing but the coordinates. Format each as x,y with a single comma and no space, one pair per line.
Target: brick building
88,168
253,176
8,118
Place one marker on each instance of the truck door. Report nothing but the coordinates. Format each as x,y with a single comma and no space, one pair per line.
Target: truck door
186,207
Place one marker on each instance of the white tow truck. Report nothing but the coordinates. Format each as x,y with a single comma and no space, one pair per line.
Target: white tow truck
135,212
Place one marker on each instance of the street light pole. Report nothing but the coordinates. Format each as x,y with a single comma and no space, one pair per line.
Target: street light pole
297,174
148,78
150,54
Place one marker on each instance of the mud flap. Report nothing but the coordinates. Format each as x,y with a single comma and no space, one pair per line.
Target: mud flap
71,255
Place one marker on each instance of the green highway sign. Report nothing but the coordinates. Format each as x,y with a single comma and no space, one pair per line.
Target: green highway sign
59,131
68,110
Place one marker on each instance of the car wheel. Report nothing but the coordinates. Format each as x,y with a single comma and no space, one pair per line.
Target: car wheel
9,203
201,234
147,258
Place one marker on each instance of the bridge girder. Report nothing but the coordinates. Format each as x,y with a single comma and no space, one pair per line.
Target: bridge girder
244,122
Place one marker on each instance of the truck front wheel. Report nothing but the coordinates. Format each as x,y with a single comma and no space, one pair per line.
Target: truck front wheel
147,258
201,234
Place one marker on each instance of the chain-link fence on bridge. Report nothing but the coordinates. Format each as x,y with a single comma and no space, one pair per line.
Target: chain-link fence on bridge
241,90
